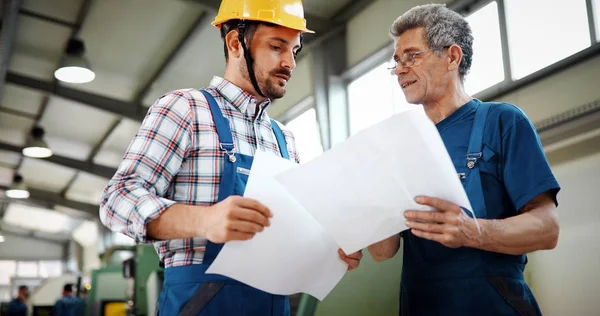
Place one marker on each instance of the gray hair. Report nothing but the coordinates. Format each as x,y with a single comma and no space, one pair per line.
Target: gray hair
442,27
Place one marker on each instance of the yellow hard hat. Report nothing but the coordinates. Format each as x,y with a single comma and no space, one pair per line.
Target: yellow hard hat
287,13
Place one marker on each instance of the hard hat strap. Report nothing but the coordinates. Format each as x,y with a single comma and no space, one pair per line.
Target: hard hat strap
248,57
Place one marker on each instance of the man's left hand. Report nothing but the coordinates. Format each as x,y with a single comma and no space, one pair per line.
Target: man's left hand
448,224
353,259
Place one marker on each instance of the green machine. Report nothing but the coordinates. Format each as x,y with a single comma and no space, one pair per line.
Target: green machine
126,287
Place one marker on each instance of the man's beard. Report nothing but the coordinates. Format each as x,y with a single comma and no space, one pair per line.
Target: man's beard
267,87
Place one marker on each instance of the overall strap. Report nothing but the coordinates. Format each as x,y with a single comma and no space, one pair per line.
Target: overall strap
222,125
474,152
280,139
476,139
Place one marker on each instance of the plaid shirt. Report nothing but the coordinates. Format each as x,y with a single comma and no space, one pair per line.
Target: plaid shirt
175,158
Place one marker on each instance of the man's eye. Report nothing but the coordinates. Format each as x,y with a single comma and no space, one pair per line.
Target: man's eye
276,47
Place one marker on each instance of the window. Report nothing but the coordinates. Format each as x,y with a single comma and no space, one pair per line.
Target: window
8,269
373,97
487,68
596,7
5,294
369,99
27,269
51,268
540,34
307,135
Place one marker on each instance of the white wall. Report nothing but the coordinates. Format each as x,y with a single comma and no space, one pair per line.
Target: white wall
23,248
566,280
561,92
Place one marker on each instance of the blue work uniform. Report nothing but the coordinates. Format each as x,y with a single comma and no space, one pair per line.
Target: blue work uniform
67,305
16,307
499,158
188,290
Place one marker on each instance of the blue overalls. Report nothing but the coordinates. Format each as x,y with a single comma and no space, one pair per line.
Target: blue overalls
221,295
437,280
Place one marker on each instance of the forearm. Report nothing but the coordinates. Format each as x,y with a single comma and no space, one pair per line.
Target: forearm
530,231
385,249
179,221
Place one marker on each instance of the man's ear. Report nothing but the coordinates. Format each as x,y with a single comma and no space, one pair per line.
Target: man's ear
455,55
233,44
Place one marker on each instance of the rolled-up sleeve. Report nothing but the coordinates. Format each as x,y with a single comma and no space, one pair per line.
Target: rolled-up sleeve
136,193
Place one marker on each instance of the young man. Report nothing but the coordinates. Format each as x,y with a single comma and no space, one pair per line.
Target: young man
454,264
181,182
67,304
18,306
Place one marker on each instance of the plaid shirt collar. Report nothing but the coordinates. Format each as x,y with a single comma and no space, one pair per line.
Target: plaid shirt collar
240,99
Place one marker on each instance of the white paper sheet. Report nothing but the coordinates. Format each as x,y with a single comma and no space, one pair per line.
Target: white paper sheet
360,188
292,255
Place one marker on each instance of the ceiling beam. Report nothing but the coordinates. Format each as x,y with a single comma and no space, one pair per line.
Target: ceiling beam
46,18
31,234
99,170
44,198
114,106
10,22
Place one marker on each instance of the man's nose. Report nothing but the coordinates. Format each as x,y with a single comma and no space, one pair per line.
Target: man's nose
288,61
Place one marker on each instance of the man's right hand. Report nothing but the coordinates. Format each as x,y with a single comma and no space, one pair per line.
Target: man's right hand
235,218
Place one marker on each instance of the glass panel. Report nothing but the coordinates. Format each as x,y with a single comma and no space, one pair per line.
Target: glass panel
7,270
308,137
596,5
51,268
369,98
5,294
538,34
28,269
487,68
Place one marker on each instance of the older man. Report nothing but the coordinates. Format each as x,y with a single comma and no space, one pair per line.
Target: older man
455,264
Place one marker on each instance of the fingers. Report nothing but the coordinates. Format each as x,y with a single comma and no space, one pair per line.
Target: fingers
426,227
444,239
245,227
439,204
250,215
425,216
352,260
254,205
237,235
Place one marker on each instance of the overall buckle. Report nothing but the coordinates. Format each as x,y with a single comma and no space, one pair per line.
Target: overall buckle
472,159
229,152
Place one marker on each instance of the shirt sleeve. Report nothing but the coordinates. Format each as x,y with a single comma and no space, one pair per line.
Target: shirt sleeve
135,194
527,172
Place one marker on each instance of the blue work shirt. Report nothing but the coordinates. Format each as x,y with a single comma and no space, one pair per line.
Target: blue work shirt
438,280
16,308
67,306
515,168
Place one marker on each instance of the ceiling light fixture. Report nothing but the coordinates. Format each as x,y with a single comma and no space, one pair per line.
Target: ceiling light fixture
18,190
35,146
74,67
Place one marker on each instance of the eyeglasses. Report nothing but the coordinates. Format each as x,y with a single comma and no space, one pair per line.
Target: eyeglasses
410,58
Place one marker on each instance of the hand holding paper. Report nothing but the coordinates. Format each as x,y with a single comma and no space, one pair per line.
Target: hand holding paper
351,197
366,183
292,255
